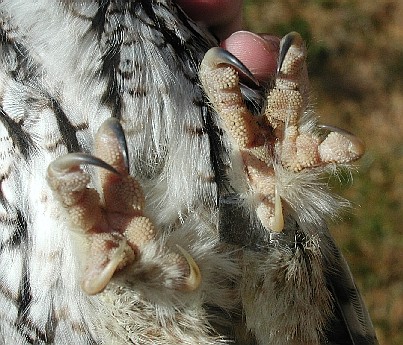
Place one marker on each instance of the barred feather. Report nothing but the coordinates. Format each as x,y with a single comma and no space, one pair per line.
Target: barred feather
67,66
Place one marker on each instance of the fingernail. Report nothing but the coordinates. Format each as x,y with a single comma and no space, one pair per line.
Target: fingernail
258,52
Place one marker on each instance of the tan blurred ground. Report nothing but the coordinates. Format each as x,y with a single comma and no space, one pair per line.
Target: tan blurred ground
356,67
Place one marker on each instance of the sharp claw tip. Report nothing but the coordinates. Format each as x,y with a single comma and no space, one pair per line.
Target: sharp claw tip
292,38
71,160
217,55
193,281
98,284
278,219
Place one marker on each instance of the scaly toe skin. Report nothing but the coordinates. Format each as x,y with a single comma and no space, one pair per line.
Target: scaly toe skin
69,184
218,73
108,253
114,225
107,250
340,146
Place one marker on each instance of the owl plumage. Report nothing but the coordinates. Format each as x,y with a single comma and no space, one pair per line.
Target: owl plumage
66,68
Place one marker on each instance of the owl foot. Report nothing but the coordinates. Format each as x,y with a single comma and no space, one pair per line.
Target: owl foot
284,137
113,221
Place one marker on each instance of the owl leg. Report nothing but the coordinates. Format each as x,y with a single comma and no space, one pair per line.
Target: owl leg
113,222
281,138
282,154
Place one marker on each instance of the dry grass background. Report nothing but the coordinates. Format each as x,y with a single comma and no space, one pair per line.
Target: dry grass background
356,68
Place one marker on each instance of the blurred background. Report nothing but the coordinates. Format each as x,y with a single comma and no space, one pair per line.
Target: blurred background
356,71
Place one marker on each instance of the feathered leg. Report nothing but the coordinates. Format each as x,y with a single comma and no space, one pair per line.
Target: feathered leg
124,253
281,155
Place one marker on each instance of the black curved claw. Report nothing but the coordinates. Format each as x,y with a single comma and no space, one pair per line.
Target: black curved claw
216,56
286,42
66,162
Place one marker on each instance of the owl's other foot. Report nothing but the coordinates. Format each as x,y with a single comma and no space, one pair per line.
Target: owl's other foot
113,220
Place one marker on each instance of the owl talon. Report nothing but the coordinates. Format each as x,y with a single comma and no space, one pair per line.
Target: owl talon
277,224
113,220
95,285
276,142
217,56
192,282
111,134
292,40
72,161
